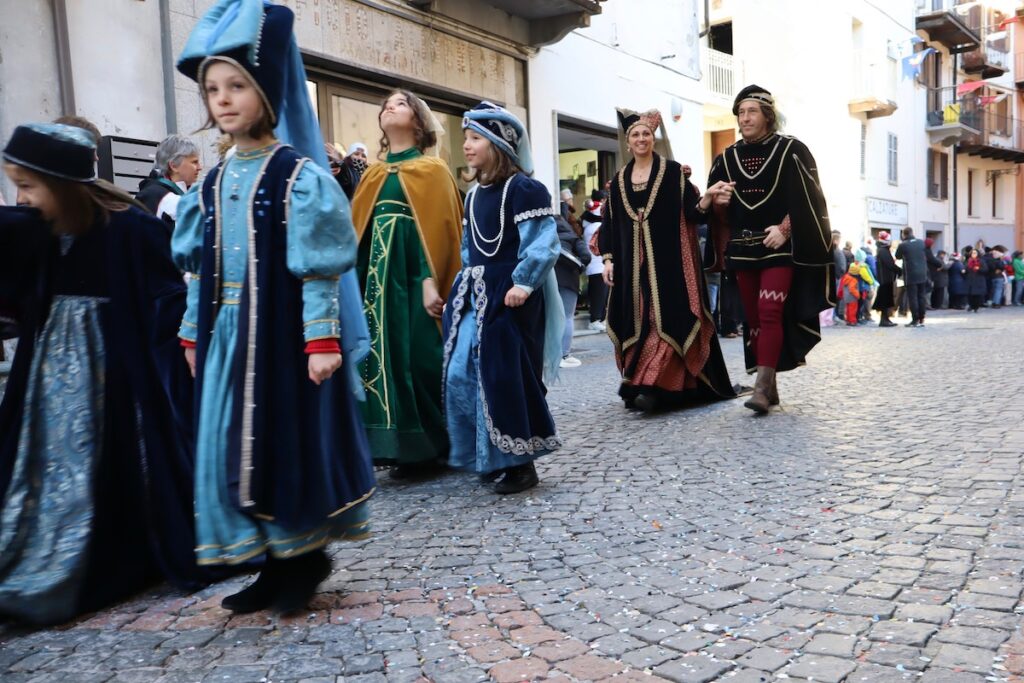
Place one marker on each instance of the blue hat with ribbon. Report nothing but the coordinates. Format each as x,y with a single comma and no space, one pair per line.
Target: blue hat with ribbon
256,36
503,129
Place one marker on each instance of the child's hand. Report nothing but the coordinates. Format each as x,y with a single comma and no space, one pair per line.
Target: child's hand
190,358
516,297
322,366
432,301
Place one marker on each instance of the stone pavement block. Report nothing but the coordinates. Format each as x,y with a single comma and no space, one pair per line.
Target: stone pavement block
986,601
831,644
933,614
903,656
821,668
560,650
1009,588
947,676
962,658
617,644
696,669
524,669
986,638
689,641
590,667
766,659
902,632
865,607
237,674
875,589
874,673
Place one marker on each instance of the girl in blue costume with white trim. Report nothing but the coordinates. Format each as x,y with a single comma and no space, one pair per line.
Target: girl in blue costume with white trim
504,319
282,464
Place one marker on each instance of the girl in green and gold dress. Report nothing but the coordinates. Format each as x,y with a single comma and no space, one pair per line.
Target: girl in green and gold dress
408,217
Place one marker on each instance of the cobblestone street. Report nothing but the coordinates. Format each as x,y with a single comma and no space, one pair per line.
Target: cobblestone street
869,531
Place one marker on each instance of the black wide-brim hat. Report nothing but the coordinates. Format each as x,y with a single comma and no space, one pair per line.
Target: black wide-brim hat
752,92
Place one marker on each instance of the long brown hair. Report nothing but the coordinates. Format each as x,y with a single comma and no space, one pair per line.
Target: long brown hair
82,203
499,169
425,138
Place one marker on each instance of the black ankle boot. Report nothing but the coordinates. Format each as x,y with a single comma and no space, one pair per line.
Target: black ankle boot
518,478
300,577
491,477
258,595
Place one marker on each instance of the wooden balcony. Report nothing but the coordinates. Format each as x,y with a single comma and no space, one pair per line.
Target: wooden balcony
986,62
998,136
946,120
952,27
874,88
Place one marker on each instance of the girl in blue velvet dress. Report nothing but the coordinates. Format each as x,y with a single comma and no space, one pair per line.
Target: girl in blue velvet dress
504,319
95,422
282,464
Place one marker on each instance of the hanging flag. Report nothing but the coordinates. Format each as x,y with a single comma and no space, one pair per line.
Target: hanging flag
906,48
912,64
986,100
1009,20
970,86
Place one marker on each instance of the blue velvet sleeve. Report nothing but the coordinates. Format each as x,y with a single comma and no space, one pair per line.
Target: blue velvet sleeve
538,251
539,247
187,251
321,246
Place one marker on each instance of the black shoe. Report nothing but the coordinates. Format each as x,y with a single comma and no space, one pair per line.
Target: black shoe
259,595
300,577
646,403
491,477
887,323
416,470
517,479
912,323
630,404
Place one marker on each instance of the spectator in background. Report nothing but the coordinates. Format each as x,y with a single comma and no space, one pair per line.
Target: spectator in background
915,274
597,290
977,280
940,279
83,123
957,283
839,265
348,170
996,267
1018,277
572,259
175,170
885,299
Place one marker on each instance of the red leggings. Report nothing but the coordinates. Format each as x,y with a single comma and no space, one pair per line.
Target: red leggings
764,293
851,313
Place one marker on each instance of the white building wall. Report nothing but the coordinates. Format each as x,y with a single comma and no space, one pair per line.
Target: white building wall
117,66
814,78
624,59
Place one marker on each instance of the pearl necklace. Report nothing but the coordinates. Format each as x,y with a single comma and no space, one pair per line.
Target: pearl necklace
478,236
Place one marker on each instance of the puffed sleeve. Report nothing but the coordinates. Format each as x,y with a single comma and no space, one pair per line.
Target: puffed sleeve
187,252
538,235
321,246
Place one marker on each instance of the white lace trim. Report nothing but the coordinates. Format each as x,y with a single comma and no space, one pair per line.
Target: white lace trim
503,442
533,213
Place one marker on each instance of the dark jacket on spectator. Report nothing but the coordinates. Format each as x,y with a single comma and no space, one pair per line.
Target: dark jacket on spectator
915,262
574,257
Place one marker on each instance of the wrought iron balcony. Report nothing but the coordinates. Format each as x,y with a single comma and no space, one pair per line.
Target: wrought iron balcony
949,119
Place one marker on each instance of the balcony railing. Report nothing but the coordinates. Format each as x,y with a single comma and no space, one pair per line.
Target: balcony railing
721,77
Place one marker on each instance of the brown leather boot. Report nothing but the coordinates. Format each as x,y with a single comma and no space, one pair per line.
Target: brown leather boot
773,395
760,402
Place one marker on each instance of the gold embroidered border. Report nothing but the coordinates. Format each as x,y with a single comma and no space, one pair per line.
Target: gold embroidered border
778,175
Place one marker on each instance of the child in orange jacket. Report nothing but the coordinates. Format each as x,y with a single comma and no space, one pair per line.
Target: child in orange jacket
850,287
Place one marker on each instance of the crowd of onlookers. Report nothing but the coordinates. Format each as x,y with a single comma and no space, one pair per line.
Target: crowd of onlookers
909,277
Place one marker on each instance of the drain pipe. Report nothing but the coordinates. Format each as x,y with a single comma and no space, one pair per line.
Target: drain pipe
167,57
707,19
64,75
